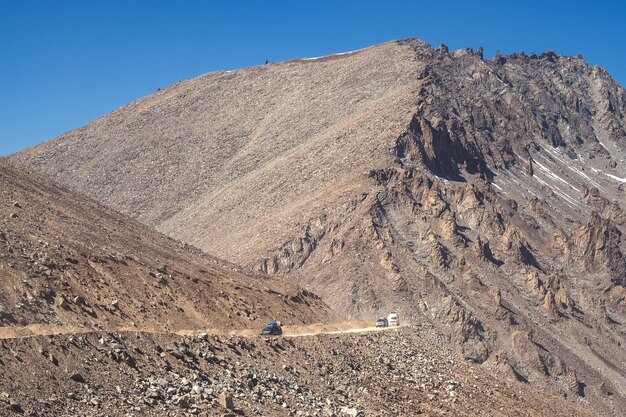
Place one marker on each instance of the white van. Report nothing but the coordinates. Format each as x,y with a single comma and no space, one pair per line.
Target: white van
393,319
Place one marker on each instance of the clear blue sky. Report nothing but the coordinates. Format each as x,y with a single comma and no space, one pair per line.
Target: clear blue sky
65,63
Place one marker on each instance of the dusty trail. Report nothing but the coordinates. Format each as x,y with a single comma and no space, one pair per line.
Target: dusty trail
298,332
34,330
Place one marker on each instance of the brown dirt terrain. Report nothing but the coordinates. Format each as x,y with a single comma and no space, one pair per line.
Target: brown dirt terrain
71,265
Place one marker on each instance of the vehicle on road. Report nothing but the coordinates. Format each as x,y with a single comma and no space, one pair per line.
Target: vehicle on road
382,322
393,319
272,329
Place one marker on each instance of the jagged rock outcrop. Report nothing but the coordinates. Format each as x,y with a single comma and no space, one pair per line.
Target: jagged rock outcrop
597,246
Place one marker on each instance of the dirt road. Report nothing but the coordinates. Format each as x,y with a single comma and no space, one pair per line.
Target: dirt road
308,331
32,330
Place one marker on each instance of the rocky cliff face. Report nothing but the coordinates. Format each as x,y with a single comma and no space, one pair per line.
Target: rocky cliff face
484,196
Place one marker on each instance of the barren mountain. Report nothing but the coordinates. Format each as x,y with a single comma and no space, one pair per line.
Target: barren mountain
69,264
484,196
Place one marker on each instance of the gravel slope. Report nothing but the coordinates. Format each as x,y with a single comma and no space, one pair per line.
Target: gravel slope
407,371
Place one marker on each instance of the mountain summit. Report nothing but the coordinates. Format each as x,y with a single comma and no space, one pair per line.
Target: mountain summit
484,196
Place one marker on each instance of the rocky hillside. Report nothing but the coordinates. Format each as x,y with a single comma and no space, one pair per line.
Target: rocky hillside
484,196
68,264
393,373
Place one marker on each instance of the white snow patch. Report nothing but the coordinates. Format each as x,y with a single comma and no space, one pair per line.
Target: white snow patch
616,178
579,172
554,153
582,174
603,145
325,56
552,175
568,164
568,200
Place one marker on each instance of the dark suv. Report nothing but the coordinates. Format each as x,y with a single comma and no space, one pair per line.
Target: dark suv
272,329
